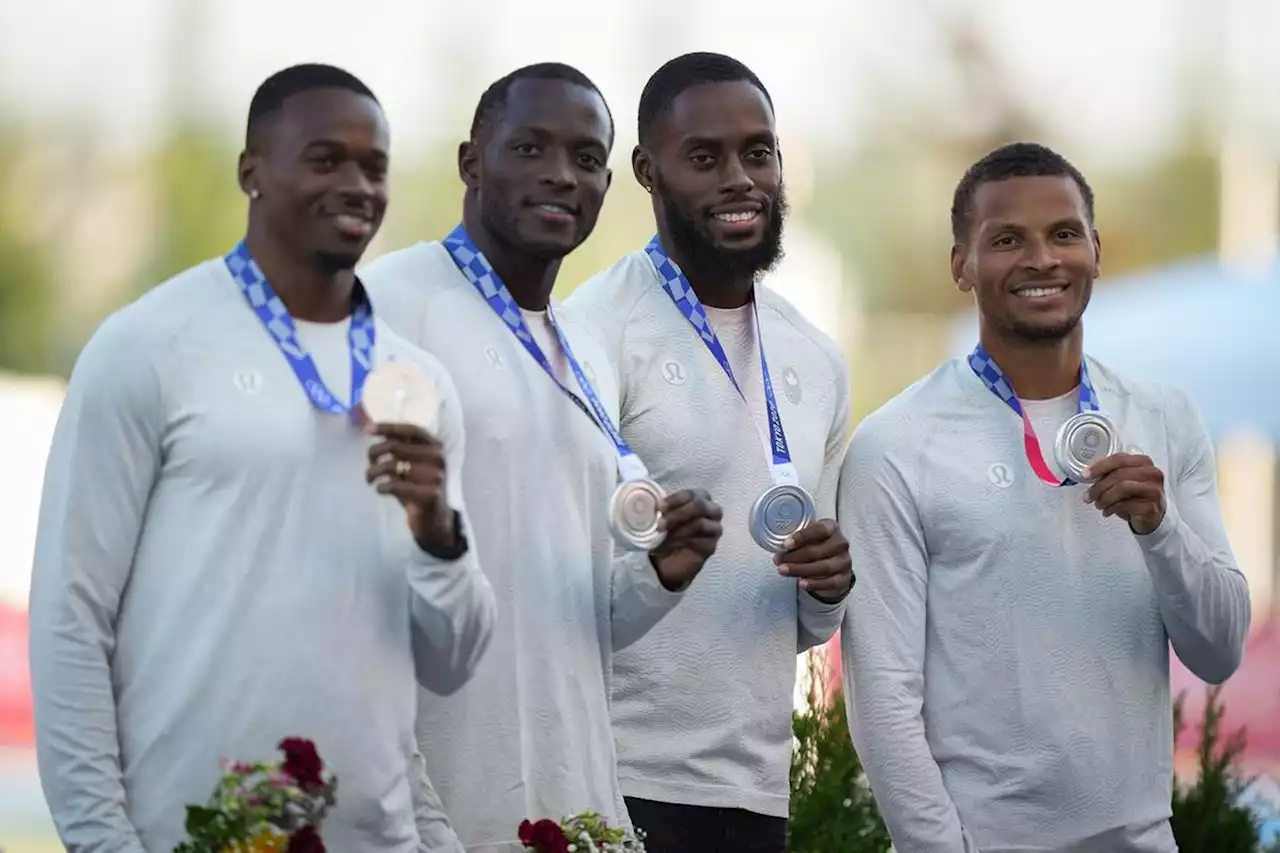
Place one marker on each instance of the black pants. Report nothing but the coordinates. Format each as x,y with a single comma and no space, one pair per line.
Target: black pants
674,828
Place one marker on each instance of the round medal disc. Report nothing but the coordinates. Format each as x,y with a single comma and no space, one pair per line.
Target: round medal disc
401,392
633,515
1085,438
779,512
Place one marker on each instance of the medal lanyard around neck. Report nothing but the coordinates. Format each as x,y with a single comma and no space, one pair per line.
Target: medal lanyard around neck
472,263
993,377
279,324
681,292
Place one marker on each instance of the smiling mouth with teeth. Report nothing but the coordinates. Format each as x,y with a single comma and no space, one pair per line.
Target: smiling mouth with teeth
1033,292
555,208
353,223
743,216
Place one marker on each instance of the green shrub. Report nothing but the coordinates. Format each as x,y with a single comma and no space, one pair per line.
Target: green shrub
832,809
1207,817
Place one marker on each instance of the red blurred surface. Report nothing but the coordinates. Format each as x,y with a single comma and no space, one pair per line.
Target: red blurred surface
17,727
1251,697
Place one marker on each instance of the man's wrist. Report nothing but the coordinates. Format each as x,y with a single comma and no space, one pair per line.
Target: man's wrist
824,599
656,562
1151,528
450,542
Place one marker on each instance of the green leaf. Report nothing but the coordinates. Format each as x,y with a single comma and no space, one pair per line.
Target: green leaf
200,819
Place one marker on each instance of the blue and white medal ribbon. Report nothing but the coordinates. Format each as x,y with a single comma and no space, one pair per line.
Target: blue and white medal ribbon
634,508
786,507
275,319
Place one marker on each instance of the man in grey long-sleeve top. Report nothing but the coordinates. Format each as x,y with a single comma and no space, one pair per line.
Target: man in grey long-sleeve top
1006,652
224,558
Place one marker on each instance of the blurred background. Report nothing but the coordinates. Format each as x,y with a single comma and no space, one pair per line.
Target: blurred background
120,124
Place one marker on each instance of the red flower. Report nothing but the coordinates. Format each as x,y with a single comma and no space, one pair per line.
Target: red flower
302,762
545,836
306,840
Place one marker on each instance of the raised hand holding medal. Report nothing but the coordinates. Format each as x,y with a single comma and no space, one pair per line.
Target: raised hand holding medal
679,531
1128,485
401,405
818,556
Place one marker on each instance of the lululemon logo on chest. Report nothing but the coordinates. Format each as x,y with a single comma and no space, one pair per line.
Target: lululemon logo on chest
673,372
1000,475
247,381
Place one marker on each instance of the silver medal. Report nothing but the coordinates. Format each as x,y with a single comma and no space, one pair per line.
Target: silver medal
633,515
1084,439
779,512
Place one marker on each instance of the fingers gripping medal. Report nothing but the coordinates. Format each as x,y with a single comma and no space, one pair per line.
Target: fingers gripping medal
401,392
778,513
1085,438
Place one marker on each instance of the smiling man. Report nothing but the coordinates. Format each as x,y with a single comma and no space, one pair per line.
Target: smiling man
530,736
702,705
224,558
1032,530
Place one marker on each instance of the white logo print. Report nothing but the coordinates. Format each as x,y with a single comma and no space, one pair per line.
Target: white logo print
491,356
791,385
247,381
673,372
318,393
1000,475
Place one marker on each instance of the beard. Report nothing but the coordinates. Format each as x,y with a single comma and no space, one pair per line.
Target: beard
1048,333
1041,334
692,240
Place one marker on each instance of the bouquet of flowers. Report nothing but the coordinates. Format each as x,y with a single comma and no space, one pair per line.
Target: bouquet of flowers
582,833
265,808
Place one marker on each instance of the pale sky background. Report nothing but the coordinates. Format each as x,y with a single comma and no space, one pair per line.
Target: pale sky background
1101,71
